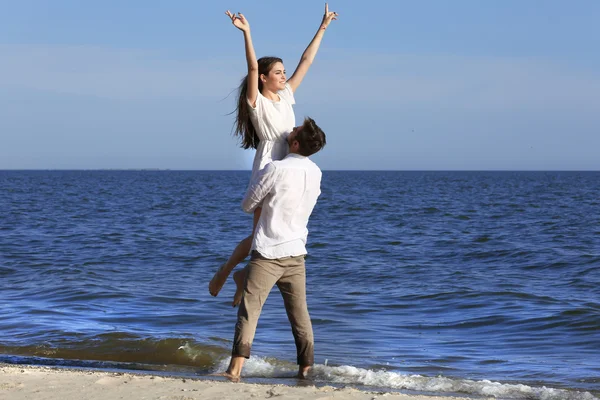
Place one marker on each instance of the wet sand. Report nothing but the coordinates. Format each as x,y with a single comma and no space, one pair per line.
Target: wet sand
18,382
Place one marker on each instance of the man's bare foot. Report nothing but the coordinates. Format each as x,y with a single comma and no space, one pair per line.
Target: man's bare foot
238,277
218,280
303,372
232,378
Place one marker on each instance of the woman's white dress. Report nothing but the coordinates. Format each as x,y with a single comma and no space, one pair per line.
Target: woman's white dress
273,121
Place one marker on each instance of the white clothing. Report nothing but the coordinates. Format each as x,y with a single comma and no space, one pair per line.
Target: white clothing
288,191
273,121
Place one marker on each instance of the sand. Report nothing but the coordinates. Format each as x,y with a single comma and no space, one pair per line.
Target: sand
19,382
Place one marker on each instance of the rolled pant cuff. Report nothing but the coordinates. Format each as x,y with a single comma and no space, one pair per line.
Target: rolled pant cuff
241,351
306,361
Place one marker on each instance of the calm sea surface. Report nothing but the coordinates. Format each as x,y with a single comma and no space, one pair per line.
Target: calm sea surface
474,283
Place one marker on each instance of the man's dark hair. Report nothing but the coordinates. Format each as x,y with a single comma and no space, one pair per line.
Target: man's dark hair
311,138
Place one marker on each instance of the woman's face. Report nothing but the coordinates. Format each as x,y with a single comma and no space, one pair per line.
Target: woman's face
276,79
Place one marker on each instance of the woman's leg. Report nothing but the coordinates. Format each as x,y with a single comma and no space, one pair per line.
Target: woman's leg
239,277
240,252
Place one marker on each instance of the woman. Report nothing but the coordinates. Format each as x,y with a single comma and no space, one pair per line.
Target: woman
264,119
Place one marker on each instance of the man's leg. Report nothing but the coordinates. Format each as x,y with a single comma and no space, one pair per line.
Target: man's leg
293,289
262,275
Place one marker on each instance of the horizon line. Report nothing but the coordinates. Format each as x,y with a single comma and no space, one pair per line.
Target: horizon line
324,170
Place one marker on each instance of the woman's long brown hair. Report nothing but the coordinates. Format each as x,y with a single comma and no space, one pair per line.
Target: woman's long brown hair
243,124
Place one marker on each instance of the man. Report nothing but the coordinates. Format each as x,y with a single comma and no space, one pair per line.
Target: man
287,191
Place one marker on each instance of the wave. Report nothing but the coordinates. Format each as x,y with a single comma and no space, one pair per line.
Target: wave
124,348
257,367
188,358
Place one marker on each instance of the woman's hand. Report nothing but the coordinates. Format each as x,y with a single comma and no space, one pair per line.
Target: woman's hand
328,17
311,51
239,21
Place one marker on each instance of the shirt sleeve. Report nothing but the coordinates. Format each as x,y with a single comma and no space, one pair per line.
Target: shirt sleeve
258,111
259,188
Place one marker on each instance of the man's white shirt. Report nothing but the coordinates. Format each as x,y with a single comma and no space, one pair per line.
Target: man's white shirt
287,190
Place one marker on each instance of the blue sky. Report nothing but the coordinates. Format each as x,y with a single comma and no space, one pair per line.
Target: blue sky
428,85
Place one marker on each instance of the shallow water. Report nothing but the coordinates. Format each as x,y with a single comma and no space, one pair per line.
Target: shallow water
426,281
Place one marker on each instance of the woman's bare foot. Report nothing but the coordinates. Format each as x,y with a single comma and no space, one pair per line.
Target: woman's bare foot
239,277
218,280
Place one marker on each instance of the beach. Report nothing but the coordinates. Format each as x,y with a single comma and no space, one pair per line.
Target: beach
31,382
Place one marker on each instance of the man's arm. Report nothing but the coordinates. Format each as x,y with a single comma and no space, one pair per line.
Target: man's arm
259,188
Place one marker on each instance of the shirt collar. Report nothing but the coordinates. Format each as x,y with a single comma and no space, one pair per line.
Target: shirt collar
296,155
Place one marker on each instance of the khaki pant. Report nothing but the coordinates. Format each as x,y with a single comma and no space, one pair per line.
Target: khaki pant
290,276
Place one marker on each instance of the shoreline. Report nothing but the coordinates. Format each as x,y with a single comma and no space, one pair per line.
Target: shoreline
20,382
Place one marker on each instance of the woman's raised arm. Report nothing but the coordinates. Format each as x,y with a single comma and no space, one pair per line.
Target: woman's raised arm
311,51
240,22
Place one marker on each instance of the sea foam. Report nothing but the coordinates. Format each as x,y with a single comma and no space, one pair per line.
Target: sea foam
259,367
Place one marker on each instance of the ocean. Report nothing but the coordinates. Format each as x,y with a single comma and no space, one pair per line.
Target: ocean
448,283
